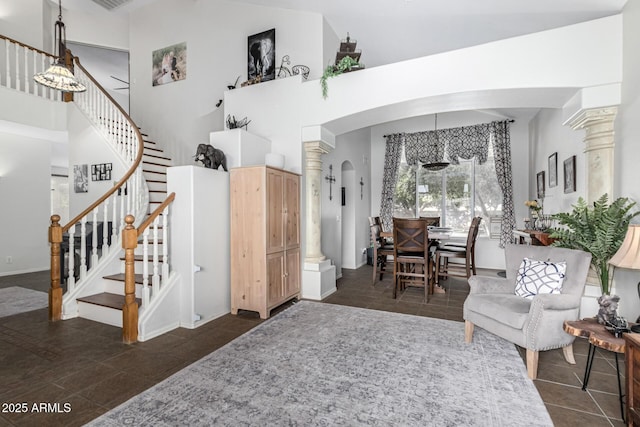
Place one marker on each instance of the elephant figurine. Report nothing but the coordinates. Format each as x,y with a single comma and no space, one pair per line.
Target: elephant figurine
211,157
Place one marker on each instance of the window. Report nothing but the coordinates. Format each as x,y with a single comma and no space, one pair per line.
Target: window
455,194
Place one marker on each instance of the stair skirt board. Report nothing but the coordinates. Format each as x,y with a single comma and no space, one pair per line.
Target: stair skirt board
163,315
101,314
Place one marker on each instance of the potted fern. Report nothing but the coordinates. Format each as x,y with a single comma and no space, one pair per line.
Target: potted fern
346,64
598,229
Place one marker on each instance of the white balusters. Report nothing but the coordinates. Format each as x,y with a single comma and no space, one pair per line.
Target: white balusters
165,244
105,227
146,293
94,237
83,247
71,260
155,279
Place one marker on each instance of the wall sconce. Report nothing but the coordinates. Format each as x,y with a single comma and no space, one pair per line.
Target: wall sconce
361,187
331,178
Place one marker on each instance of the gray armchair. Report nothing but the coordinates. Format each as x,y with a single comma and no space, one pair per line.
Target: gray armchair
534,324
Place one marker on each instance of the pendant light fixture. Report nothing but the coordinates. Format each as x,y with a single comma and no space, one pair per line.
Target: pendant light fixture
58,76
436,166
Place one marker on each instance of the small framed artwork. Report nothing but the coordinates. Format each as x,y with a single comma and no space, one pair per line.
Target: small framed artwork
570,175
261,50
553,170
540,184
169,64
101,172
81,178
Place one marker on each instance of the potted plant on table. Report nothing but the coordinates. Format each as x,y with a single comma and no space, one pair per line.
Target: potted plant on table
598,229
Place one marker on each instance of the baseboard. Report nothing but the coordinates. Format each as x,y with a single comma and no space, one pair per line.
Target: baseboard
29,270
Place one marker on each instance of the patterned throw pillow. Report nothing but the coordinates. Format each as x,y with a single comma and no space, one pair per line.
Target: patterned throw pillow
539,277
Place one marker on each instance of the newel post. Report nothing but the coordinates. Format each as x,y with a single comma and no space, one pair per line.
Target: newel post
68,61
55,293
130,307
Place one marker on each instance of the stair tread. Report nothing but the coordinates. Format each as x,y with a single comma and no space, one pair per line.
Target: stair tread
120,278
156,156
150,171
139,258
107,299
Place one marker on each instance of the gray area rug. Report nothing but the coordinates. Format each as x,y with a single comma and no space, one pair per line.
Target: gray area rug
14,300
323,364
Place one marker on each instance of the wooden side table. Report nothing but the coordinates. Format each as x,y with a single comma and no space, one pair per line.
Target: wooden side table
632,361
598,336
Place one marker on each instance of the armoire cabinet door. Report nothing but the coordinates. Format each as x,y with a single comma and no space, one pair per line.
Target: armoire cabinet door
275,277
292,208
292,273
275,208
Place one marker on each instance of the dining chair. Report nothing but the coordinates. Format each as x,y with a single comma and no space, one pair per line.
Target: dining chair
412,263
381,251
432,221
450,250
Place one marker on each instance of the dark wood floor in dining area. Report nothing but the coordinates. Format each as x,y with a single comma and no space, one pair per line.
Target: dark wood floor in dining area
84,363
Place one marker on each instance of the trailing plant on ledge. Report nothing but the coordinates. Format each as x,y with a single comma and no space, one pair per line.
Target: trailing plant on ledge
597,229
344,65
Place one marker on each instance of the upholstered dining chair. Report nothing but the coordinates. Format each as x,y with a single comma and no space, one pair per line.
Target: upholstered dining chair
382,250
412,263
467,252
528,307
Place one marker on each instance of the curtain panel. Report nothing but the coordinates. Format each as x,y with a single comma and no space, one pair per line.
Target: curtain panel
392,155
502,160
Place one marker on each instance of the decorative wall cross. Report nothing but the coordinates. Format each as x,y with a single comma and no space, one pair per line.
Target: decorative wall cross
331,178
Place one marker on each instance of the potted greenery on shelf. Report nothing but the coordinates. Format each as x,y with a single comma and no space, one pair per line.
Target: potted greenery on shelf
346,64
597,229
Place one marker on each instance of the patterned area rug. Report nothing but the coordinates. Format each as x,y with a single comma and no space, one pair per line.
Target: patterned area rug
14,300
323,364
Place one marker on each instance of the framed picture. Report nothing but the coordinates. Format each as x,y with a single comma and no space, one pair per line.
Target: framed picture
81,178
101,172
540,184
570,175
553,170
261,55
169,64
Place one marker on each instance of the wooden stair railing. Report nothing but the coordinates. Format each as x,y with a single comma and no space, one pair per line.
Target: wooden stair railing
21,63
129,244
128,196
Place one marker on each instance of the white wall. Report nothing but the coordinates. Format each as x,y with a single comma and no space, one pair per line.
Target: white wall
550,136
352,147
24,21
180,115
88,147
25,187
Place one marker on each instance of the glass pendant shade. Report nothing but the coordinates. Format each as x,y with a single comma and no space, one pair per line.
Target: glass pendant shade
436,166
58,76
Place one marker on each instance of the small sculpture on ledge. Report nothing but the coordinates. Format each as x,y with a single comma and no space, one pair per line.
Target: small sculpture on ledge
232,123
211,157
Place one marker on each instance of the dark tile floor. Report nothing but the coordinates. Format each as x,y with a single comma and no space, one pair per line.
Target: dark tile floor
84,364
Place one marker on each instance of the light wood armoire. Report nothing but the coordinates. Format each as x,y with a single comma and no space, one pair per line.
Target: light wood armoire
265,238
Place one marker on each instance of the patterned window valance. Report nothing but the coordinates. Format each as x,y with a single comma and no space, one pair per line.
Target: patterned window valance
464,142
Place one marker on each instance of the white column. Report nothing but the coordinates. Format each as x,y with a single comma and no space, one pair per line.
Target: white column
313,178
598,124
318,274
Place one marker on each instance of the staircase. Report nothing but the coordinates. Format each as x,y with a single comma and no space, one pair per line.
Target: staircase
122,276
106,307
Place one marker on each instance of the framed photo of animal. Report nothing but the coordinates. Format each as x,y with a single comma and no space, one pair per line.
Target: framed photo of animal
261,56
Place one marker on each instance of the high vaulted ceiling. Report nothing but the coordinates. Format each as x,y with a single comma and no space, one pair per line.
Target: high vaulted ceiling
394,30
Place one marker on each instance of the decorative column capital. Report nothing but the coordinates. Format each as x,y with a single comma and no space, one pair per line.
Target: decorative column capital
599,140
587,118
